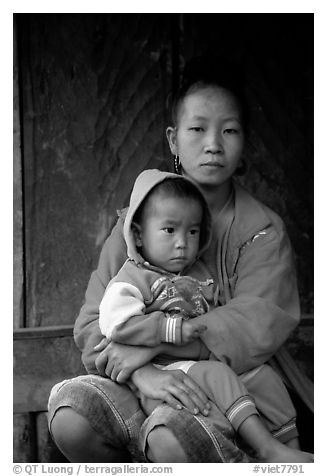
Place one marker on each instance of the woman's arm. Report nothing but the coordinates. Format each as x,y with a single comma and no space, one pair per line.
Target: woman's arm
86,330
264,308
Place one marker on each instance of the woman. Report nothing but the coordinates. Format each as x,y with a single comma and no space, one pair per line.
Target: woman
93,418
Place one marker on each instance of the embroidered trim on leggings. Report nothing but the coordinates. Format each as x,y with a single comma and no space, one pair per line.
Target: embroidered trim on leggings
286,428
242,408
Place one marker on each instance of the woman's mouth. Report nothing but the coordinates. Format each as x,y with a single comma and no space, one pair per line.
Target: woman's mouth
212,164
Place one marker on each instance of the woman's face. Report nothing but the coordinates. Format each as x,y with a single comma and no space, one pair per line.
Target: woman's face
209,135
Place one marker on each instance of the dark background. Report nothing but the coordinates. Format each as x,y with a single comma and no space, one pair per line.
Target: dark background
90,112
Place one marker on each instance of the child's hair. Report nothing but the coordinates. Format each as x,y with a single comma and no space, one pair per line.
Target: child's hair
210,71
175,188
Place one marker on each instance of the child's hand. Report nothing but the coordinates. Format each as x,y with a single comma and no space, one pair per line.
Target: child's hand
191,331
118,361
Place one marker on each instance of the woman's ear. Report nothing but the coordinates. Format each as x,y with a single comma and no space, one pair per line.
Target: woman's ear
171,134
137,233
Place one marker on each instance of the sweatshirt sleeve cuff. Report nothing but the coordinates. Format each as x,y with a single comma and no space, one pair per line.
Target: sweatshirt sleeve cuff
171,330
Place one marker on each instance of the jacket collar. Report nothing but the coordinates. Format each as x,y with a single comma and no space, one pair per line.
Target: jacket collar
250,216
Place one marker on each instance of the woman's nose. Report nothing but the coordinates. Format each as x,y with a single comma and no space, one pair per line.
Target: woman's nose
214,143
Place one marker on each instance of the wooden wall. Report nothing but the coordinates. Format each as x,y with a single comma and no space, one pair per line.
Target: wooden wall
90,113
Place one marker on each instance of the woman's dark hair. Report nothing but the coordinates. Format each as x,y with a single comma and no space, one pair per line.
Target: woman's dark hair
177,188
210,71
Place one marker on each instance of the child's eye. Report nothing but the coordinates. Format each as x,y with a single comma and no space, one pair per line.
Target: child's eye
195,231
168,229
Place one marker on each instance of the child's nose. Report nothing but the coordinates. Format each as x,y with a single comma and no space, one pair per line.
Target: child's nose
181,241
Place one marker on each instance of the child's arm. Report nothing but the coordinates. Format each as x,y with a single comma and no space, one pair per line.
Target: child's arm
119,362
123,319
155,328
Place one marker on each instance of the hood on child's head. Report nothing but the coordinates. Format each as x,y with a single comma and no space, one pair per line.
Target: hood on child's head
144,183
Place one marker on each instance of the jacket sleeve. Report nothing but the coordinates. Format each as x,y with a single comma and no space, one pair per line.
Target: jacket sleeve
264,308
87,332
123,316
149,330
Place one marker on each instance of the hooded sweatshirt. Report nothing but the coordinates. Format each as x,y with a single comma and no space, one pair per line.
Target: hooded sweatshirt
261,303
144,304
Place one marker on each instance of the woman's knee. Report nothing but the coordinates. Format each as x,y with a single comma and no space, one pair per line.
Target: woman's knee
79,442
163,447
70,429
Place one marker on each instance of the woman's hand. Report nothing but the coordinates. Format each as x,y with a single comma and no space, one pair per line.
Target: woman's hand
118,361
173,387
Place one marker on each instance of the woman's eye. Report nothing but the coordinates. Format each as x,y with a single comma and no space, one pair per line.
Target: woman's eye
231,131
168,229
196,129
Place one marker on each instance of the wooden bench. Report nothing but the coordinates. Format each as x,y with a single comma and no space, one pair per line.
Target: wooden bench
42,357
47,355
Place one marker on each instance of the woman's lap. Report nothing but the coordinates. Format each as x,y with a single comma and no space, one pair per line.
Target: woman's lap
203,439
111,409
114,412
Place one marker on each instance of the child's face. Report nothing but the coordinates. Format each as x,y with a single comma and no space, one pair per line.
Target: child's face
209,136
170,232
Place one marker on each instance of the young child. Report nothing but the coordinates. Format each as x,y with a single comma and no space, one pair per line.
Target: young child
150,299
162,285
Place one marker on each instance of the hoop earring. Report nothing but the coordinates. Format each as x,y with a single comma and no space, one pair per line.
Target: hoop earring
177,165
